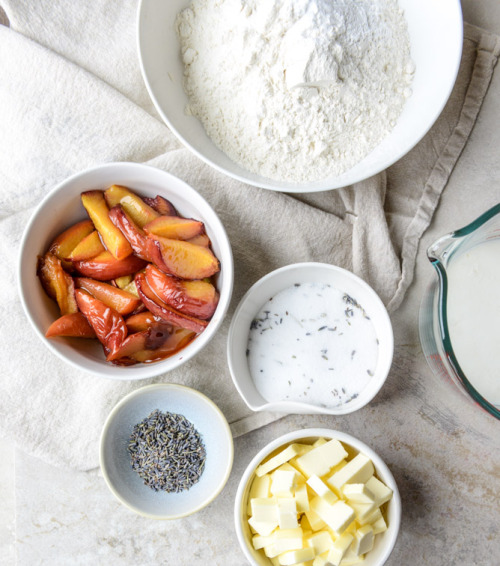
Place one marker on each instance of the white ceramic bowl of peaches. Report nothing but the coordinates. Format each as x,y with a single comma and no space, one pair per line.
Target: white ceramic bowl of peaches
125,271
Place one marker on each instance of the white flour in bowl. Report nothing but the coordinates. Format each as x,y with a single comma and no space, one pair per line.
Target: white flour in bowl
296,90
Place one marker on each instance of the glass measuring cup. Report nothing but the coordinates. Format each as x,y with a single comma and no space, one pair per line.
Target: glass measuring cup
454,340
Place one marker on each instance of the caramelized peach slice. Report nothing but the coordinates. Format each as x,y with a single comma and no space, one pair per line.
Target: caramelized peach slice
74,325
140,243
66,242
175,227
108,325
183,259
113,239
196,298
105,267
163,206
88,248
178,339
163,311
133,204
201,240
141,321
118,299
132,344
57,283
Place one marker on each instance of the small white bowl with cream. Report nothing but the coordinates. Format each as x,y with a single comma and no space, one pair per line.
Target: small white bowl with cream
310,338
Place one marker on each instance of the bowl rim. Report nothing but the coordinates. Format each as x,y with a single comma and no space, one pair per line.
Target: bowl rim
296,407
165,387
359,445
146,370
342,180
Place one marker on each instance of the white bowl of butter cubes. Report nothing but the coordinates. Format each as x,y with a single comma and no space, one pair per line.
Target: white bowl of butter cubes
318,497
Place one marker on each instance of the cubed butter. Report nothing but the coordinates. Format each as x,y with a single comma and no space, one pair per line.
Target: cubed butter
264,509
337,516
371,518
363,511
319,442
358,493
379,526
284,456
283,483
321,541
350,559
315,521
261,527
358,470
259,541
381,492
287,513
296,556
321,489
301,498
260,488
320,460
339,549
284,540
321,560
363,540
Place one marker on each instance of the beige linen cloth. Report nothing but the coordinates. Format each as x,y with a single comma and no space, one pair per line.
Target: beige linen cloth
71,97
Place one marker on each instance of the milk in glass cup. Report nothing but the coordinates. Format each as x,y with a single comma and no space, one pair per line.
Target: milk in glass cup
460,312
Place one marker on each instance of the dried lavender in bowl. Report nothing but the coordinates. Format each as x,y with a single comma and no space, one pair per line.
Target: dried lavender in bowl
167,452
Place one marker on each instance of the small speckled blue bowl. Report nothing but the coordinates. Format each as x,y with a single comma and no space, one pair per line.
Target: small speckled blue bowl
127,485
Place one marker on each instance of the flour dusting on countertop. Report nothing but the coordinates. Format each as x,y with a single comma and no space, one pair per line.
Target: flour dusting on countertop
296,90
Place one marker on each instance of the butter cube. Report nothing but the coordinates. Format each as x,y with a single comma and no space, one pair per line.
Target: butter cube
371,518
287,513
339,549
284,456
259,489
314,520
284,540
264,509
350,559
363,540
358,470
321,560
319,442
301,498
259,541
283,483
379,526
321,542
321,489
381,492
320,460
296,556
261,527
288,467
337,516
358,493
363,511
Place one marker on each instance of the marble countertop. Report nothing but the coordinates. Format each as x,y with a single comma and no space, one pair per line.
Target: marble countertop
444,453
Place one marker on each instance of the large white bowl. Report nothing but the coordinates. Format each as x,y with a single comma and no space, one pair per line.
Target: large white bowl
435,30
283,278
127,486
61,208
384,542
